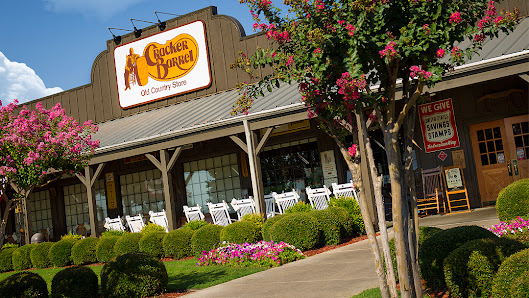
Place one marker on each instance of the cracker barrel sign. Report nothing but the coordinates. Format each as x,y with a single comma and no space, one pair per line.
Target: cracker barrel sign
166,64
438,125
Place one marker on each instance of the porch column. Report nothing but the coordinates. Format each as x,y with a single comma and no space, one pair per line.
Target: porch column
88,180
25,209
165,164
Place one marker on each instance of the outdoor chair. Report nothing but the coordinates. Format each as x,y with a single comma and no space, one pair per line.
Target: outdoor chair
135,223
286,200
319,197
81,230
114,224
243,207
159,218
270,205
193,213
219,213
344,190
433,190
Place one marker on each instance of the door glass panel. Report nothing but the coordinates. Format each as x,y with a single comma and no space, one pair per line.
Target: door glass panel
518,141
516,129
499,145
488,133
497,132
482,148
484,160
490,146
525,127
492,157
526,140
481,135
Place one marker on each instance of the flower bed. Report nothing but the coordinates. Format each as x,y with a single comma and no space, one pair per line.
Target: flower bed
263,253
517,225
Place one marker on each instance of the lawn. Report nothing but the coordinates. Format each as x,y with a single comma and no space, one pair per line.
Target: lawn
183,275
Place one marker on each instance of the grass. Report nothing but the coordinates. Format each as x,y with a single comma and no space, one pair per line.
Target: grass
374,293
183,275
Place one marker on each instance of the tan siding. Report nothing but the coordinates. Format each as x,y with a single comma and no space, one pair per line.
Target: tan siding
81,105
112,86
216,54
89,102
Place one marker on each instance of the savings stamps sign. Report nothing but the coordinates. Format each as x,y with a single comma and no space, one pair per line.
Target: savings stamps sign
166,64
438,125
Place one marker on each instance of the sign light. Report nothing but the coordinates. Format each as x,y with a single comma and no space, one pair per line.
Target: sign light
162,65
438,126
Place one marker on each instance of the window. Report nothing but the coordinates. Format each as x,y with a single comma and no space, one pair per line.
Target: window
40,210
142,192
76,206
212,180
101,199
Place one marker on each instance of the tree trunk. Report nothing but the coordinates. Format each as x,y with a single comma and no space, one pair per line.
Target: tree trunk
9,204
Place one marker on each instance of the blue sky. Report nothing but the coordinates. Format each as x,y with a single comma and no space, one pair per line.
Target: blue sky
49,45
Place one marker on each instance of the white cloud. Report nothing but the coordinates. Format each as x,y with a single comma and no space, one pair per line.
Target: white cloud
18,81
99,8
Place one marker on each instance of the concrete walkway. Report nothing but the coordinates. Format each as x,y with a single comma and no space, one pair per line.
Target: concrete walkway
342,272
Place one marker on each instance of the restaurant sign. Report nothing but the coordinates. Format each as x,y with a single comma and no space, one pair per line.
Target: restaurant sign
162,65
438,125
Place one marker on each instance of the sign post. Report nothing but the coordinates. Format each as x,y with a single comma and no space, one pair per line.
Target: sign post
438,126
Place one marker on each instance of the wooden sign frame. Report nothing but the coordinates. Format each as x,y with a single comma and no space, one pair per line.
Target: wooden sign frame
455,190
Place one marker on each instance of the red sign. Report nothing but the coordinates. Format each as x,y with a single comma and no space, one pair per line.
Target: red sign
442,155
438,126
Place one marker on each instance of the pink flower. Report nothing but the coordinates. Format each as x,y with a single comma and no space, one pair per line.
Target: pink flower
352,150
426,29
351,29
455,18
389,51
317,51
440,53
456,54
290,60
416,71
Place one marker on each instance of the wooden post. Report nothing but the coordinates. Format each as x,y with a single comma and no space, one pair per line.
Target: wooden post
251,157
88,180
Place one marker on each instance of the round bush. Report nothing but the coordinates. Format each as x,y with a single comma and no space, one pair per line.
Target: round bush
351,205
6,258
112,233
22,258
177,243
435,249
152,243
127,243
105,248
298,229
329,225
39,255
151,227
299,207
470,268
241,232
60,253
194,225
67,283
512,280
347,227
205,239
513,200
133,275
268,225
257,219
84,251
23,284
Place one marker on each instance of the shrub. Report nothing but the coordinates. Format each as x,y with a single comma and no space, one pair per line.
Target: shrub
345,221
22,258
152,243
470,268
23,284
329,225
60,253
351,205
268,225
517,229
257,219
71,236
6,258
152,227
241,232
513,200
205,239
177,243
435,249
133,275
299,207
194,225
84,251
39,255
112,233
512,277
298,229
105,248
75,282
127,243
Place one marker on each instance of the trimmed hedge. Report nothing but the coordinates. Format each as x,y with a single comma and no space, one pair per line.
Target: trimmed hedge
435,249
268,225
60,253
39,255
152,227
257,219
177,243
194,225
205,239
6,259
345,221
128,243
299,207
241,232
75,282
513,200
152,243
84,251
512,280
23,284
105,248
133,275
298,229
469,270
22,258
329,225
351,205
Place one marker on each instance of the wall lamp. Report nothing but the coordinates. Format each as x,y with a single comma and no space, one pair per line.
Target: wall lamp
163,25
117,39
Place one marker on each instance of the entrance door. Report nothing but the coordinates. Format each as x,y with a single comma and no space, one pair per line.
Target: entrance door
501,151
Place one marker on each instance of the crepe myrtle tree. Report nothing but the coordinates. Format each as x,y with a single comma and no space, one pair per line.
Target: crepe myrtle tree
37,147
357,59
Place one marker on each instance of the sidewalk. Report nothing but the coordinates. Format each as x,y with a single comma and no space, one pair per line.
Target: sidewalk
342,272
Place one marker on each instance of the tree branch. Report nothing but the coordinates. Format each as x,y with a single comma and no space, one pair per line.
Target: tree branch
408,106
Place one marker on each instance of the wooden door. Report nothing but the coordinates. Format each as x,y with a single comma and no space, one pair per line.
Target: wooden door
517,129
493,159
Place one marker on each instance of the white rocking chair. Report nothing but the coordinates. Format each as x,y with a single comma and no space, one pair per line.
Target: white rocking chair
344,190
243,207
193,213
159,218
270,205
286,200
135,223
219,213
319,197
114,224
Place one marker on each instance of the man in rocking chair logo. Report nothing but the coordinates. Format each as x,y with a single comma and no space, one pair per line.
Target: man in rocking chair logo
131,69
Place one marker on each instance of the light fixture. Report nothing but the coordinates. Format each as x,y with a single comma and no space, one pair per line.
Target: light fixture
163,25
117,39
137,32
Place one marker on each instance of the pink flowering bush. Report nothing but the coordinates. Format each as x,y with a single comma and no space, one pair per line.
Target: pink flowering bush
263,253
517,229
